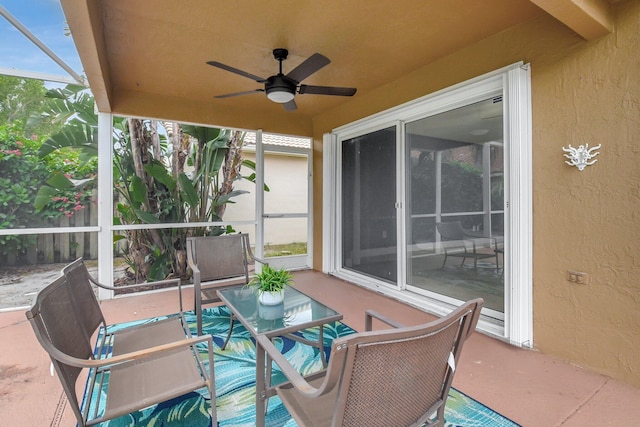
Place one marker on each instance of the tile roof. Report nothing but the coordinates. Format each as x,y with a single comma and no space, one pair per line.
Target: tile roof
282,140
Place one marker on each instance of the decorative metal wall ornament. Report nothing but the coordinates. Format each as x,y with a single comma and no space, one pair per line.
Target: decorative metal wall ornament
582,156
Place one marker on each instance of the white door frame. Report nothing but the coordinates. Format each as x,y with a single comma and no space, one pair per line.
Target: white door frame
293,262
514,81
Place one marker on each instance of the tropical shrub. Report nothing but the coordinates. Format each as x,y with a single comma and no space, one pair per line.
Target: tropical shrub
19,99
153,187
150,182
23,173
20,176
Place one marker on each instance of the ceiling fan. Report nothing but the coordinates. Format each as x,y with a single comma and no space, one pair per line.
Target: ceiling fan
282,88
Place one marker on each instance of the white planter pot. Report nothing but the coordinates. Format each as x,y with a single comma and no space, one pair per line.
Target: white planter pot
271,298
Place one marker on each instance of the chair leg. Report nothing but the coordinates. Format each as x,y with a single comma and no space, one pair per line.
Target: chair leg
198,308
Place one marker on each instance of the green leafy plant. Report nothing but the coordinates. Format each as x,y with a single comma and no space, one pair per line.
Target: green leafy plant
149,177
271,279
21,173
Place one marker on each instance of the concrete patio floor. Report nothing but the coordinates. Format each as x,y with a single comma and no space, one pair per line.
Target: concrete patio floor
530,388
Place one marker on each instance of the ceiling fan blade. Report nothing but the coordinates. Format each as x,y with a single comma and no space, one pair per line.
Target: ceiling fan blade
290,106
246,92
308,67
327,90
236,71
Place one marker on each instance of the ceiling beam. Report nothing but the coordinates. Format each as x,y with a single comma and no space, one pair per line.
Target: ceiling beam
589,18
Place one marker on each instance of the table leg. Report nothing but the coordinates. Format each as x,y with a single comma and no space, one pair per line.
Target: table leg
321,346
260,386
232,319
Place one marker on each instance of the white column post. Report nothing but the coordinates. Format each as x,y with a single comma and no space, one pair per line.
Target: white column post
105,202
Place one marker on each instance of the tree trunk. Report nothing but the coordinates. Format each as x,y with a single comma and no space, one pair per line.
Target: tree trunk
137,145
231,168
155,141
180,144
141,147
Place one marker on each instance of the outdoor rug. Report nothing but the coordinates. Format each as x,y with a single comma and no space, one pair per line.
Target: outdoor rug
235,383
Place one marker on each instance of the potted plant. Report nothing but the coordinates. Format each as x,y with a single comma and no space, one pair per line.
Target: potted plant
270,284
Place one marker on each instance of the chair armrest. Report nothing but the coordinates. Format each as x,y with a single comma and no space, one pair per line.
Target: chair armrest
192,265
134,286
479,235
173,282
195,278
127,357
250,252
260,260
251,256
370,314
294,377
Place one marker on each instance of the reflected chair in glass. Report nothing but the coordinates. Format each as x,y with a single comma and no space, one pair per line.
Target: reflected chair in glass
464,244
398,377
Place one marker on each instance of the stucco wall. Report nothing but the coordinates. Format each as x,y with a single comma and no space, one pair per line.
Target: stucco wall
583,93
588,221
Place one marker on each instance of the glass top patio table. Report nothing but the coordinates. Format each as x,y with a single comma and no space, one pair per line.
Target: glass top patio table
297,312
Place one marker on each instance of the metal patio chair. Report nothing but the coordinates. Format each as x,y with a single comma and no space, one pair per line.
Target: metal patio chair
141,365
391,377
218,262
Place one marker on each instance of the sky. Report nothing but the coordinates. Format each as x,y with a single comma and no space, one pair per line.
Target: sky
45,19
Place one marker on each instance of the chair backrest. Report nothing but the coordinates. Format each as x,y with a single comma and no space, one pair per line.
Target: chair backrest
451,230
220,257
83,296
55,322
401,376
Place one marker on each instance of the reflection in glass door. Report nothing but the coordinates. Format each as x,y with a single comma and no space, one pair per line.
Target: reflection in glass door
369,220
455,204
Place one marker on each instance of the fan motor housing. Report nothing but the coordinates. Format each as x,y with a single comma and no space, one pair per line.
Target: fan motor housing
280,83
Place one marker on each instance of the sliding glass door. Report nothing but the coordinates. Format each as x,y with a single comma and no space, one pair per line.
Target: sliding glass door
453,197
430,202
369,220
454,204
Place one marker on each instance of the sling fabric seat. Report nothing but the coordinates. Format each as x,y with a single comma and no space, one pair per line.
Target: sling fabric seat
218,262
392,377
144,364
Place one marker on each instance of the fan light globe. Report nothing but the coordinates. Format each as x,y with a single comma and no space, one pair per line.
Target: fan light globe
280,96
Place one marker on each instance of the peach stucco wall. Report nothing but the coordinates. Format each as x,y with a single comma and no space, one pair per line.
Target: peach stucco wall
583,92
286,176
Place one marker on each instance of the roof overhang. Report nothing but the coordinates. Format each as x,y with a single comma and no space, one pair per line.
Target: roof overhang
149,58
